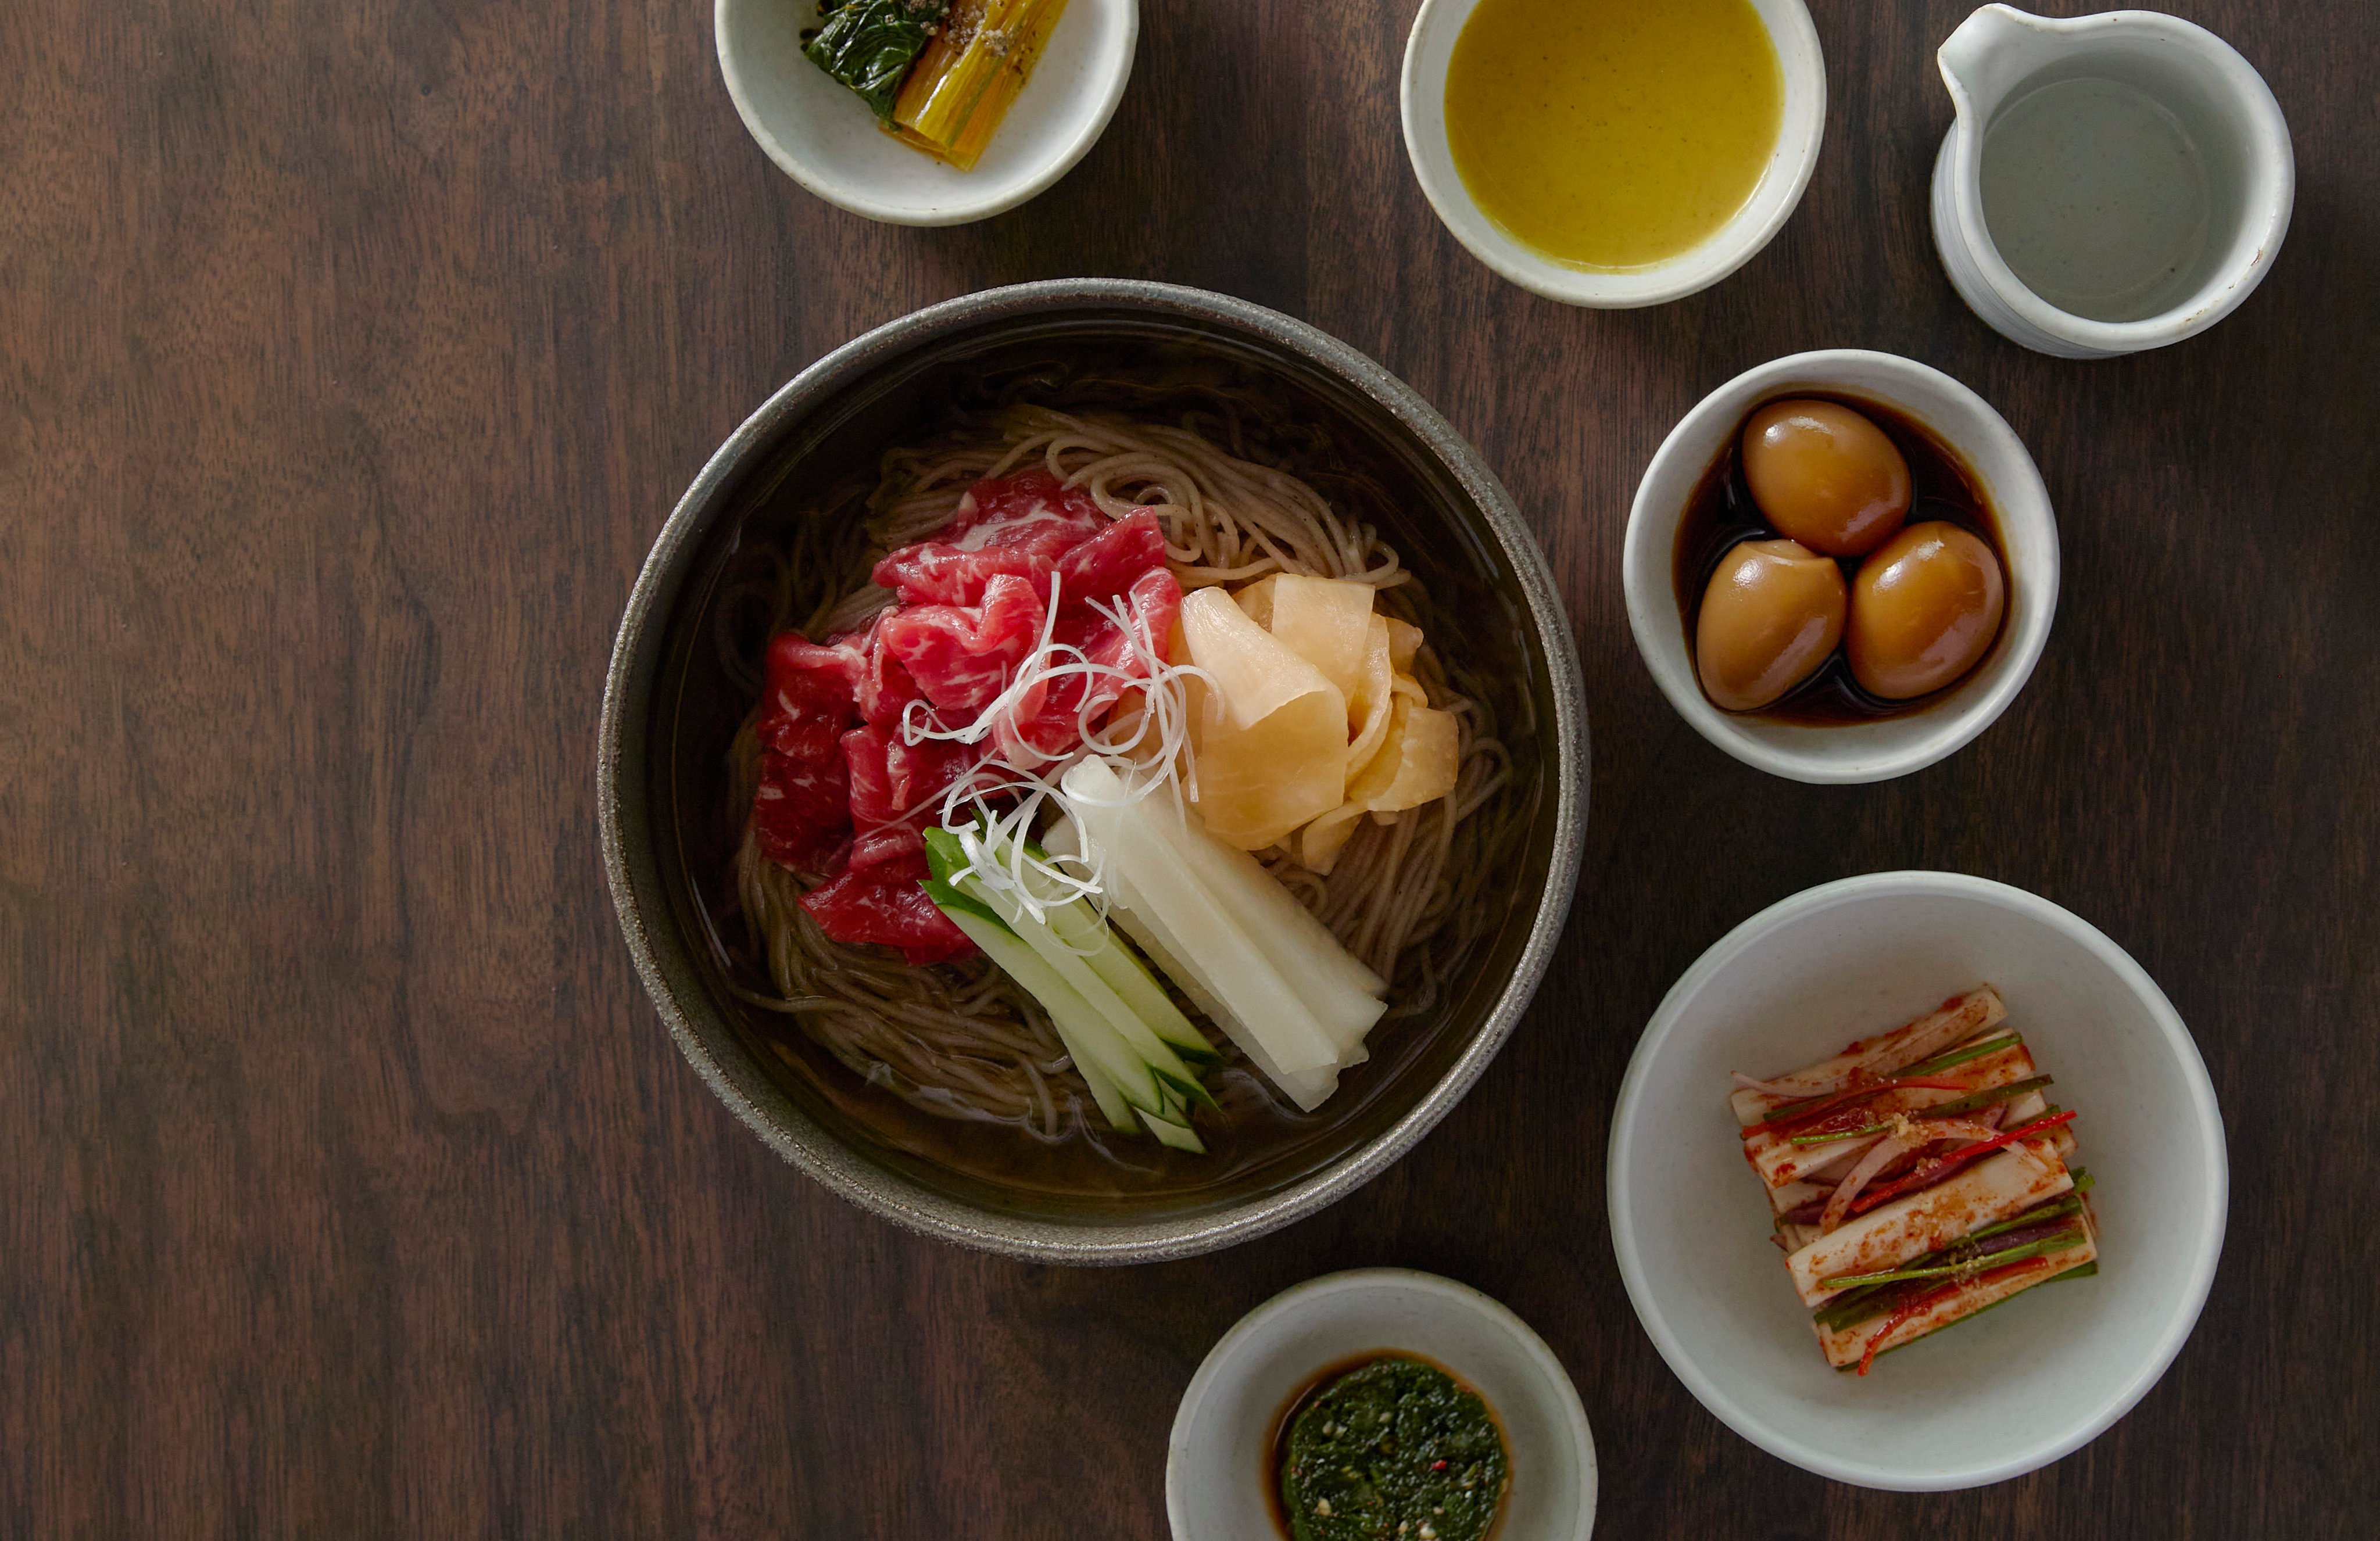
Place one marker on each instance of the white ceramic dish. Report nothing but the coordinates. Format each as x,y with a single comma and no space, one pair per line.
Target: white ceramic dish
2011,1390
1421,98
1215,1460
1878,750
2199,248
824,137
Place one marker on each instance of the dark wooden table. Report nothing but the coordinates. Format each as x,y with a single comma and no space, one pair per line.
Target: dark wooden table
350,358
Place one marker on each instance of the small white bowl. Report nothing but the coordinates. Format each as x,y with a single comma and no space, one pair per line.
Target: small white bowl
2014,1388
1215,1461
825,138
1889,747
1422,97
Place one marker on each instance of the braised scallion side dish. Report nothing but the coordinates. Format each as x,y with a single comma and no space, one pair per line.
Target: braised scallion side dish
1917,1177
939,74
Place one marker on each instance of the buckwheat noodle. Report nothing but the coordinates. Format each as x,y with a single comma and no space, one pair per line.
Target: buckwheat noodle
961,1040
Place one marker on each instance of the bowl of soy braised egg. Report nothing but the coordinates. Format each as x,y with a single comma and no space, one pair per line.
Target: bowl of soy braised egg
1841,566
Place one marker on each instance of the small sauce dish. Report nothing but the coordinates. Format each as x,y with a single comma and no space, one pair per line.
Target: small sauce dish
1883,747
824,137
1429,51
1218,1458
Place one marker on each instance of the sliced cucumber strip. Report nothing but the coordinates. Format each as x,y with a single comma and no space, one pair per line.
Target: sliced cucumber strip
1080,928
1122,1116
1074,964
1086,1034
1175,1130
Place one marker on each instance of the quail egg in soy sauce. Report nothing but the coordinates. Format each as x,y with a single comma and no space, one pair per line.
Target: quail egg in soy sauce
1924,608
1836,564
1770,618
1825,476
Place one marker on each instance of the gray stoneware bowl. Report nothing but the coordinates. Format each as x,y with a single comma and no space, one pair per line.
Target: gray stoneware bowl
667,712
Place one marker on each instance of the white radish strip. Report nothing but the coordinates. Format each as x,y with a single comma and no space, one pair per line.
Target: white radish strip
1831,1171
1339,991
1342,993
1309,1089
1877,1057
1201,930
1774,1155
1250,990
1300,934
1845,1346
1785,1088
1891,1148
1792,1196
1996,1188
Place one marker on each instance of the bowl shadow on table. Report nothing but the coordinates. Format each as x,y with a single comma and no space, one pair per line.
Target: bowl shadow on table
792,1085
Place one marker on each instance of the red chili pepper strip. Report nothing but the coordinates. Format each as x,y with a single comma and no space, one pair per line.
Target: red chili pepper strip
1803,1113
1932,1298
1928,1173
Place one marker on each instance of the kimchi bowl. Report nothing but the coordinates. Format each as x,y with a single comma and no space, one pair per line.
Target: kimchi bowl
2009,1389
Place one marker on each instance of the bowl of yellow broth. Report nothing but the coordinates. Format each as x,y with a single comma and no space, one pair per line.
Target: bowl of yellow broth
1613,152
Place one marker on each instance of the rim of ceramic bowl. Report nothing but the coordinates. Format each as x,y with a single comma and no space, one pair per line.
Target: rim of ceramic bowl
960,209
1422,104
1222,1360
2272,176
627,820
2206,1247
1983,441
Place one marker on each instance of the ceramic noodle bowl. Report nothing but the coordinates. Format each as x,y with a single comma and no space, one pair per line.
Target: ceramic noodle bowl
669,833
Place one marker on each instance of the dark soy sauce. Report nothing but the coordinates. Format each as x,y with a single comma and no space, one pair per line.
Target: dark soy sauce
1721,513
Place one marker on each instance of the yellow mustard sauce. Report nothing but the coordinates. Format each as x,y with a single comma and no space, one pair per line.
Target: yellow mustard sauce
1612,133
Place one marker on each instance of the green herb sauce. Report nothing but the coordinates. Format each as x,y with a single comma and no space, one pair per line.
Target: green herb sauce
1395,1451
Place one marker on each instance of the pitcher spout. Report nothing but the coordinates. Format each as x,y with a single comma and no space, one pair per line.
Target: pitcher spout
1990,53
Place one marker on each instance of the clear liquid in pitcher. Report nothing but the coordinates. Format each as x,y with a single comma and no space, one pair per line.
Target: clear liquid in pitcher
2098,198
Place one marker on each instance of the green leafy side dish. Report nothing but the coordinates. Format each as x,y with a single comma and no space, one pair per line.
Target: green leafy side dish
1395,1451
870,45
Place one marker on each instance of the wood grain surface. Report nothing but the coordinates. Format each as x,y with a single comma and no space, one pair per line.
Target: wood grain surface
350,358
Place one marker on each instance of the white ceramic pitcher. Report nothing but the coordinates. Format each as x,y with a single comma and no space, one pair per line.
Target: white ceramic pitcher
2111,183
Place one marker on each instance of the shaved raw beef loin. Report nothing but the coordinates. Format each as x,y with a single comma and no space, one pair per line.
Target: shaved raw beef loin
843,792
897,786
1047,723
801,809
963,656
1017,526
886,904
1106,564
